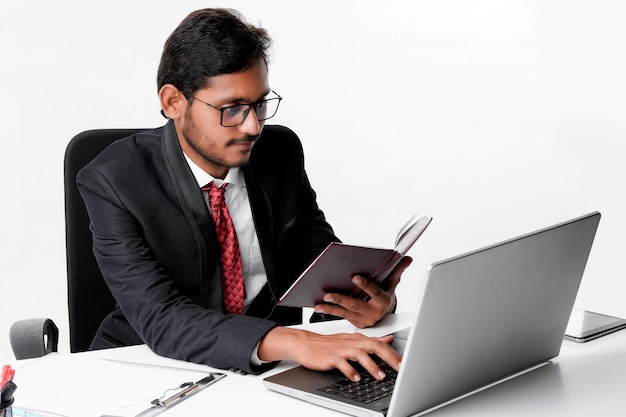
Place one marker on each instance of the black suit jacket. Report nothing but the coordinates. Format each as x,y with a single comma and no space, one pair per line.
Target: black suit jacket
155,243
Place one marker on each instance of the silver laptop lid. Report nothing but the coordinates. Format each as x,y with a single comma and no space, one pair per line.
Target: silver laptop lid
491,313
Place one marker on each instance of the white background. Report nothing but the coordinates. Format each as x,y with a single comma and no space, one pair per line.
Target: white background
495,117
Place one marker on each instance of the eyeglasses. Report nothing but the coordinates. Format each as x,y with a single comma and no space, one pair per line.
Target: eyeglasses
232,116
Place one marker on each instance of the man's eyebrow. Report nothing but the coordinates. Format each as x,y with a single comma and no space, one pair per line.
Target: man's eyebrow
244,101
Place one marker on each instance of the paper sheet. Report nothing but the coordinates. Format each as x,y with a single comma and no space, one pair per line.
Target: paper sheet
104,387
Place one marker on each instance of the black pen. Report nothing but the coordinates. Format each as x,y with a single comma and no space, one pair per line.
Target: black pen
7,392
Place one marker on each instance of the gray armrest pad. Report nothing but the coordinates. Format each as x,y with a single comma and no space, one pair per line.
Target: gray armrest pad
33,338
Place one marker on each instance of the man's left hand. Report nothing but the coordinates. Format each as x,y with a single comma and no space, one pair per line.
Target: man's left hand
366,313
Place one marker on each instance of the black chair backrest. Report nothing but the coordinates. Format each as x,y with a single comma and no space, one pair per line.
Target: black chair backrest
89,299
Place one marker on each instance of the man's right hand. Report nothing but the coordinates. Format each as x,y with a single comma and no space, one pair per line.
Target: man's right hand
326,352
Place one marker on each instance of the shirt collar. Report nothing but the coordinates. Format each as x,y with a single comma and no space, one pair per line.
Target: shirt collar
234,175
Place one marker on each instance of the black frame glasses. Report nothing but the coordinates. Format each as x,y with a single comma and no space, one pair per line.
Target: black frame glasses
233,116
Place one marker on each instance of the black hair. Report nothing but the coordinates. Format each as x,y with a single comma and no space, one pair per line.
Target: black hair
207,43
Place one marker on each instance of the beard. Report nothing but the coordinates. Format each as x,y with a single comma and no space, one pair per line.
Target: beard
208,148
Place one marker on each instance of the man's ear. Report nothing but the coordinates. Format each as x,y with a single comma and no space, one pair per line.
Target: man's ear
173,102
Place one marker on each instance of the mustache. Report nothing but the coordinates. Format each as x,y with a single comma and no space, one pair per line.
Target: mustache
246,139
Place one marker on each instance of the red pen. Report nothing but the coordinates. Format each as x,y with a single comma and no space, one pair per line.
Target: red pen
7,375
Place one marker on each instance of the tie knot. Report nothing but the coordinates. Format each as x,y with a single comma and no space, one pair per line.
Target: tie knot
216,196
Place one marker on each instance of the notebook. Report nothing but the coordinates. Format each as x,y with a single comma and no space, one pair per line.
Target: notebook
482,317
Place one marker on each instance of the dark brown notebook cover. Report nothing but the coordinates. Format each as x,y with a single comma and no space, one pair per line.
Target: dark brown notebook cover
334,268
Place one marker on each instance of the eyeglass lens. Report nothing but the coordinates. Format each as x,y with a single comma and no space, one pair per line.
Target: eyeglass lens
236,115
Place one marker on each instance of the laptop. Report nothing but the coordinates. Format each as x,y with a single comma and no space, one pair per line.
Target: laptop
482,317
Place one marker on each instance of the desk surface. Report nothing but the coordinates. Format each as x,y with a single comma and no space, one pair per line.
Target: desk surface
586,379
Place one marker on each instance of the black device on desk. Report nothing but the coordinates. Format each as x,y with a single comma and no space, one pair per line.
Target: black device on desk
586,325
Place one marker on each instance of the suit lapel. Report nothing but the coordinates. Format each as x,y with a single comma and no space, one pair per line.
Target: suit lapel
192,203
182,177
262,215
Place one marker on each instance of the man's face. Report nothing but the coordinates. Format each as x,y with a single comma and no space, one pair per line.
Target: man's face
210,145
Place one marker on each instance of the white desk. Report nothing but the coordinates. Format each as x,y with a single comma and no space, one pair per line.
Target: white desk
586,379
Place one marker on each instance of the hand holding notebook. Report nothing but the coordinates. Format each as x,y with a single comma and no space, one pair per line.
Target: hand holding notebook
333,269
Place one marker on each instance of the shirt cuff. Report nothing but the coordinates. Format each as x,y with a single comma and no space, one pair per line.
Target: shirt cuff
254,357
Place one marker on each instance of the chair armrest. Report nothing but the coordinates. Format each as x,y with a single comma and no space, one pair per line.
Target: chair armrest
33,338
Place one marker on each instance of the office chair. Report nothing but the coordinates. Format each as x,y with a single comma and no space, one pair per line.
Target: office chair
89,299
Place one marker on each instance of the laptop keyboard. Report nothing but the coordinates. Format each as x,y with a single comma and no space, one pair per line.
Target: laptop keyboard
376,394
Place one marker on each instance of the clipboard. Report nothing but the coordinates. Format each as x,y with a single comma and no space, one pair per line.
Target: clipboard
186,390
124,385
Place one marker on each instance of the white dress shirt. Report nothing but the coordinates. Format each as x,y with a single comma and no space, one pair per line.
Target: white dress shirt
236,197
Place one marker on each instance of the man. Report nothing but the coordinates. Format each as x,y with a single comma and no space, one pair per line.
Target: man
157,243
